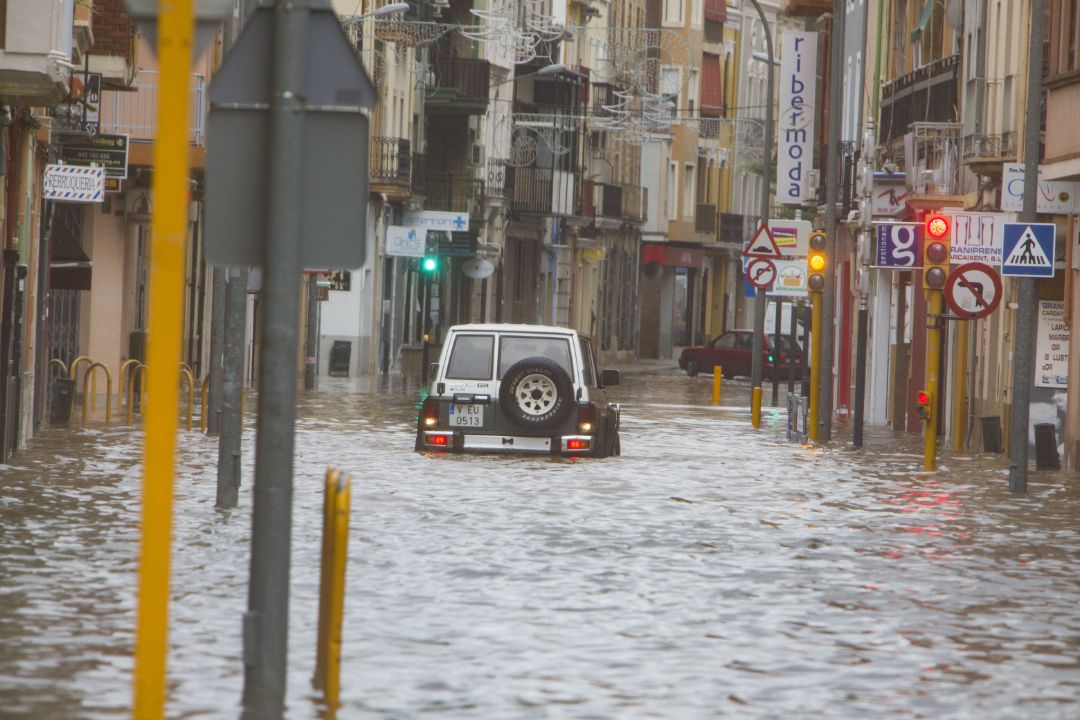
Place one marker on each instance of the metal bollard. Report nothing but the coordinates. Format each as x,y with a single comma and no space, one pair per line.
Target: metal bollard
755,408
185,374
138,371
716,380
87,377
121,383
205,397
335,544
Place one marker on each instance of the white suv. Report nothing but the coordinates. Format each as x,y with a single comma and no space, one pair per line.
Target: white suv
519,388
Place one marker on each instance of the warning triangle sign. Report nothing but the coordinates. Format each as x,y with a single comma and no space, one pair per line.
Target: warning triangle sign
763,244
1028,252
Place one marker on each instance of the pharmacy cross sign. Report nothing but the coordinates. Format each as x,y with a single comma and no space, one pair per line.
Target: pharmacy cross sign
973,290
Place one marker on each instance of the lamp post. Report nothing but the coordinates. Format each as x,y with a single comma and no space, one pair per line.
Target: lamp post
766,157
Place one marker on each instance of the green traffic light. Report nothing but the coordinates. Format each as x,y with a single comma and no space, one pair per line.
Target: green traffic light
430,264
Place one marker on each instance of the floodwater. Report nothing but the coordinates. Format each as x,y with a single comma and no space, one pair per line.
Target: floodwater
711,571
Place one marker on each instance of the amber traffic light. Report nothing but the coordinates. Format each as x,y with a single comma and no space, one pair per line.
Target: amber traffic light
816,262
936,251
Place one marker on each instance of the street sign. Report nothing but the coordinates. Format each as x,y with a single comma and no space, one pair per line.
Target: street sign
108,151
898,245
761,272
763,244
437,220
973,290
790,279
791,236
81,110
72,183
977,236
405,241
1028,250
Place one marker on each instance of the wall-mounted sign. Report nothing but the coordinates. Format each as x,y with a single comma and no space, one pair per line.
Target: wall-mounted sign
897,246
71,183
790,278
107,151
977,236
1055,196
405,241
795,133
437,220
890,193
1052,346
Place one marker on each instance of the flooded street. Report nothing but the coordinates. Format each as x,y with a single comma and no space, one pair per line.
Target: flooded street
711,571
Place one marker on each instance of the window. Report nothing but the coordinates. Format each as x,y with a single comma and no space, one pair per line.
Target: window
471,358
588,369
692,92
689,191
671,202
514,348
670,84
745,341
725,342
673,12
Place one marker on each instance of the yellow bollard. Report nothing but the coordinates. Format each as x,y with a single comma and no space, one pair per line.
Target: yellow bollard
185,374
716,378
332,586
61,363
755,408
74,368
121,384
87,378
205,396
137,371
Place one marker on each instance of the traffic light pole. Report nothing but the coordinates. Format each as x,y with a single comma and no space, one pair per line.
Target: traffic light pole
815,364
1024,333
766,165
933,364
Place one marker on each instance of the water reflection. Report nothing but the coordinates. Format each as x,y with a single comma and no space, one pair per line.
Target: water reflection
710,571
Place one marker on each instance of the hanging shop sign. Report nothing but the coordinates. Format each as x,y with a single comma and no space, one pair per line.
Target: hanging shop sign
795,134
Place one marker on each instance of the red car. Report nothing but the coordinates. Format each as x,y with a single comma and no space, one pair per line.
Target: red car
732,352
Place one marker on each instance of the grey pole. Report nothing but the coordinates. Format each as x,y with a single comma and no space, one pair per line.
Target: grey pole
312,336
217,341
832,184
1024,332
232,419
266,620
766,179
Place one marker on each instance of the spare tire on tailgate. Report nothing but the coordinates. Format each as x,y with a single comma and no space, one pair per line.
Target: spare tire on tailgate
536,393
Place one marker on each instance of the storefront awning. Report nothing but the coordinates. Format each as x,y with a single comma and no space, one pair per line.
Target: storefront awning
672,256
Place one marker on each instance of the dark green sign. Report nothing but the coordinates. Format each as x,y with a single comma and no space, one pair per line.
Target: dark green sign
107,151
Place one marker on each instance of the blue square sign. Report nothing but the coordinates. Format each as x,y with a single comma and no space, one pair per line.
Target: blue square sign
1028,250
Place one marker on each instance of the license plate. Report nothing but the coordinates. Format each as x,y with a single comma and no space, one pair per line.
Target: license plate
466,415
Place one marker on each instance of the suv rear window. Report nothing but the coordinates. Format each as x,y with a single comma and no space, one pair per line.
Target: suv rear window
513,348
471,358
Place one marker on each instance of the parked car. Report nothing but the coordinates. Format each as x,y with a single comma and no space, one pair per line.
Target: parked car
732,351
519,388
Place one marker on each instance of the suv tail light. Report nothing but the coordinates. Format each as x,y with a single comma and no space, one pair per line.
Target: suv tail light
586,417
429,414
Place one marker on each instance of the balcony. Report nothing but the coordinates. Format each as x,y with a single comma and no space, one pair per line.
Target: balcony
35,51
635,202
454,193
927,94
984,154
705,219
461,84
391,167
607,201
135,113
543,191
500,186
933,174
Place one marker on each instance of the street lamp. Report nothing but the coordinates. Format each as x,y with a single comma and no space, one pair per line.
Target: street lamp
553,69
391,9
209,14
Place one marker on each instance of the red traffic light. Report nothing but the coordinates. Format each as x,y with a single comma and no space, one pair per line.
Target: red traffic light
937,226
922,397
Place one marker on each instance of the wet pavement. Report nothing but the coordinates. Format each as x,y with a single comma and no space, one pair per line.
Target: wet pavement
711,571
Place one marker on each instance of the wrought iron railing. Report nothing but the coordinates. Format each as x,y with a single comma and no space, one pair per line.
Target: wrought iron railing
607,200
500,180
469,77
390,161
135,113
979,145
453,193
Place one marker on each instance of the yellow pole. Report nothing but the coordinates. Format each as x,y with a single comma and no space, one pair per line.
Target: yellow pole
960,363
933,358
337,590
186,375
716,379
755,408
168,240
815,365
322,640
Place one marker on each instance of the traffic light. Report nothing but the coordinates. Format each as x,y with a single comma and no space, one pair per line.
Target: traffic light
816,262
922,400
429,264
938,238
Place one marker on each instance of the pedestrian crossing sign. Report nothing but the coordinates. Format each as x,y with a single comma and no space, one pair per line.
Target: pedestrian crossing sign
1028,250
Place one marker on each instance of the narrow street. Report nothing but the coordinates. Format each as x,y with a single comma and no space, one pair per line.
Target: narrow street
711,571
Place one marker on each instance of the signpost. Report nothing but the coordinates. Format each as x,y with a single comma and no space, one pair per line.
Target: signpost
791,236
790,279
973,290
1028,250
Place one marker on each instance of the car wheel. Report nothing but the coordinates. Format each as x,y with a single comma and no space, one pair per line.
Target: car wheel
536,393
691,368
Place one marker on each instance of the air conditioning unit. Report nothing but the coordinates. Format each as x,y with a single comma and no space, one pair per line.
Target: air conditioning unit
478,155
